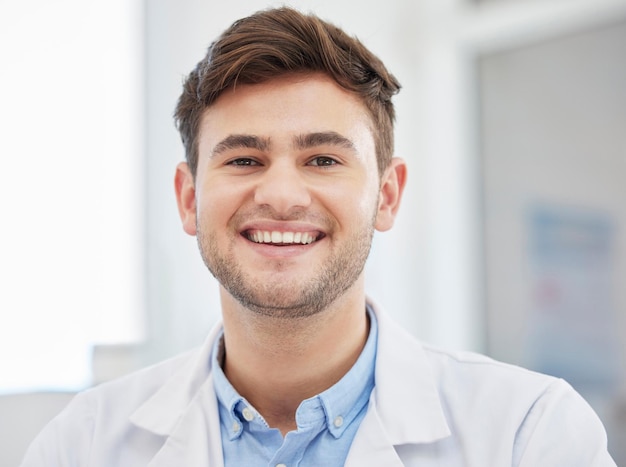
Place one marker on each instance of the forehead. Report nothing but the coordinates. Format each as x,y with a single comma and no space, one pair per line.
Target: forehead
290,105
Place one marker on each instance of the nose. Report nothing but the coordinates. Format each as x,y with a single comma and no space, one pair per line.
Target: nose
283,188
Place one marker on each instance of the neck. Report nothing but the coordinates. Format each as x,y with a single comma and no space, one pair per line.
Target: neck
276,363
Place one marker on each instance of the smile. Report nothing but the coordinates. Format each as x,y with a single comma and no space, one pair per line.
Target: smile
282,238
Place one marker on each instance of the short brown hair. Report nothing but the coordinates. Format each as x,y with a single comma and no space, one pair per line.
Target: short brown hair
276,42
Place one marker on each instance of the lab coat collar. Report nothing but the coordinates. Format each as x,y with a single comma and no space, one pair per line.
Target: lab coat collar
406,398
161,413
404,407
184,410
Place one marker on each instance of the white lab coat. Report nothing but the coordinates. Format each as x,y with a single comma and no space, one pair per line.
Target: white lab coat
429,408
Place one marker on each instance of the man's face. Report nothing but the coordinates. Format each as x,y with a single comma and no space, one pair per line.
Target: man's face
286,193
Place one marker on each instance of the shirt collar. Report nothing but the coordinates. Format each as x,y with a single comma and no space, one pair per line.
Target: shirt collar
341,403
344,400
228,398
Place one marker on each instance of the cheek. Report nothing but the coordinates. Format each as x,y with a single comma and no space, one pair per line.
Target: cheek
368,189
353,205
218,202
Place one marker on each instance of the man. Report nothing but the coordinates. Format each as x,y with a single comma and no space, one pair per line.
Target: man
288,130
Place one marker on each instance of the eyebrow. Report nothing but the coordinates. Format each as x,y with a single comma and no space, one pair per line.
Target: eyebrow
324,138
241,142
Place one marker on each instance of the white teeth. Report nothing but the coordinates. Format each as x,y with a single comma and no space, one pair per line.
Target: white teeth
303,238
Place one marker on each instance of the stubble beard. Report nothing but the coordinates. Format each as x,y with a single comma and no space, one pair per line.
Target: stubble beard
289,299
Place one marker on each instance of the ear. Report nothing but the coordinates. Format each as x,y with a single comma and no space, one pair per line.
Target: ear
186,197
391,188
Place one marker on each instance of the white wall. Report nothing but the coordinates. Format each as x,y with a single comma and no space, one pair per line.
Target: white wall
70,187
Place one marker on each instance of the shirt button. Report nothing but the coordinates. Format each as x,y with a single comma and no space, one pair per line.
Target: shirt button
281,465
235,427
248,414
338,421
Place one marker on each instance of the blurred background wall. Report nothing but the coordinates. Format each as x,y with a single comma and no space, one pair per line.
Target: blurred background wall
510,241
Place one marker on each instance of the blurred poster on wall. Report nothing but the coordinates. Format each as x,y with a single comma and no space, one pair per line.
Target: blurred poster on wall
572,327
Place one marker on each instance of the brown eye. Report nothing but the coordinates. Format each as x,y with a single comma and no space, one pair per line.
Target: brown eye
243,162
323,161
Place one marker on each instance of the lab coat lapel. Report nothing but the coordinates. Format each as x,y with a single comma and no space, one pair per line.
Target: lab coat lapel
195,440
404,406
372,445
184,410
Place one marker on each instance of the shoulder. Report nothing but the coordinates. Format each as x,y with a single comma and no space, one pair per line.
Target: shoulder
480,382
456,367
133,389
101,417
539,419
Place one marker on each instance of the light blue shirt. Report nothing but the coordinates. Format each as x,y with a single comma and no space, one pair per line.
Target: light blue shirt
327,423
